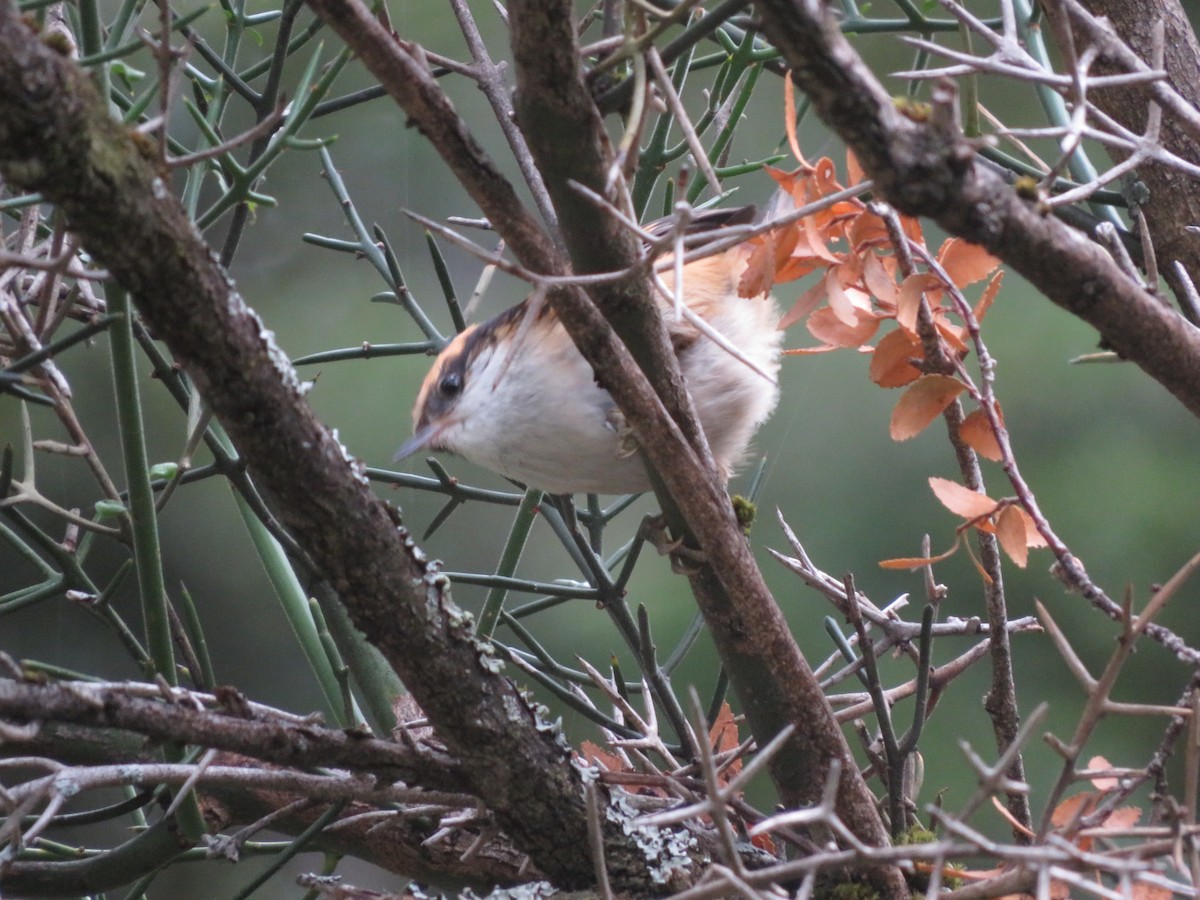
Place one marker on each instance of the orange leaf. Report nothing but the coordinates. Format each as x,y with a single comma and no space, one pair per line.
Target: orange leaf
825,326
1033,537
915,562
1143,891
908,300
825,177
849,272
789,118
786,180
763,842
1058,890
1102,784
878,281
923,402
854,171
1074,807
848,304
816,241
723,736
989,294
1010,532
912,229
866,228
770,254
1009,817
1072,810
759,275
839,303
977,433
966,263
890,366
797,267
961,500
952,334
1124,817
805,303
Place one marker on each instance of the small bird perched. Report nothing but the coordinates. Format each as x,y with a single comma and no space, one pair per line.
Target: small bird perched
515,396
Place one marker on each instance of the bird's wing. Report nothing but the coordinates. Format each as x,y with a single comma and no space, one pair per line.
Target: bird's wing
705,220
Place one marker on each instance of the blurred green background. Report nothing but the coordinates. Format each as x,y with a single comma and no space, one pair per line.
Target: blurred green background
1109,454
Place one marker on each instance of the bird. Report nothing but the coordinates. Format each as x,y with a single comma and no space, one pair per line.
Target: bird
514,395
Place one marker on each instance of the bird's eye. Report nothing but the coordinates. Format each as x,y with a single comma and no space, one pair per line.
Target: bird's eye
450,385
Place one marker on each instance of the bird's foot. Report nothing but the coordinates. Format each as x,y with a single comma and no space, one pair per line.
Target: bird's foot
627,444
685,560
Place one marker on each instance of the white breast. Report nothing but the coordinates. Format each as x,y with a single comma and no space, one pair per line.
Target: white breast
563,433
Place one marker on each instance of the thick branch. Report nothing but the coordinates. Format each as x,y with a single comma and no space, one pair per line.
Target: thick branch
929,169
385,838
774,682
276,741
567,138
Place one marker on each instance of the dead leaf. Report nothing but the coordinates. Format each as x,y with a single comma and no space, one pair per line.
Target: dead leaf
977,433
989,295
764,842
1143,891
723,737
816,242
921,403
878,281
789,118
854,171
1123,817
1010,532
825,326
951,334
915,562
847,303
912,230
1102,784
966,263
825,177
1033,537
1007,815
770,253
1073,808
805,304
810,351
960,499
908,299
891,366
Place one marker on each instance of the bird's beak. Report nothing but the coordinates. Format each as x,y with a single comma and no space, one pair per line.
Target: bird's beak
422,440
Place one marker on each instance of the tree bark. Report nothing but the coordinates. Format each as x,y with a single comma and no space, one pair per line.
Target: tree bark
1173,202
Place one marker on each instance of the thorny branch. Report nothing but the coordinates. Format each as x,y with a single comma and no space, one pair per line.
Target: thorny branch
234,725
